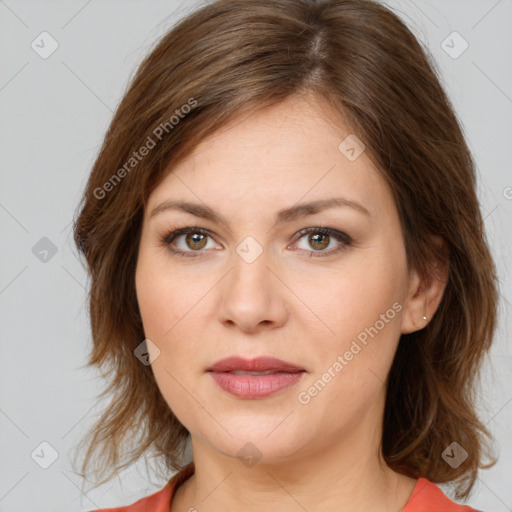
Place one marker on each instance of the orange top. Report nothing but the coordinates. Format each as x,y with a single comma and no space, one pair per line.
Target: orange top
425,497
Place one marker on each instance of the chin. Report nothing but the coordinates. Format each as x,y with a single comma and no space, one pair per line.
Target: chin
268,439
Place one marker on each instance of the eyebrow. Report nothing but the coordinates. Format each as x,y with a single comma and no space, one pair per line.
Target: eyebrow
282,216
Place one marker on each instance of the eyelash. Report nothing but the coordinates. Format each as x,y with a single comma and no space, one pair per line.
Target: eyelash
341,237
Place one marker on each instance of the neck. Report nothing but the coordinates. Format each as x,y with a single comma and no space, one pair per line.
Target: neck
342,477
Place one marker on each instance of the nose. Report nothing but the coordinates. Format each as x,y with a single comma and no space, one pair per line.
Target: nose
253,297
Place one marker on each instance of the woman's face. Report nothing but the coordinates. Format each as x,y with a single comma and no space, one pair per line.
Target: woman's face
331,303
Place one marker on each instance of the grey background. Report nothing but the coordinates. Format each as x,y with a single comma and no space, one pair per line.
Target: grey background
53,116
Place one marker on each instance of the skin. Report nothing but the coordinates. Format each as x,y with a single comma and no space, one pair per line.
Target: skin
289,303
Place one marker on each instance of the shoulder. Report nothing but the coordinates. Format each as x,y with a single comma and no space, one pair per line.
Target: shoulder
159,501
427,496
156,502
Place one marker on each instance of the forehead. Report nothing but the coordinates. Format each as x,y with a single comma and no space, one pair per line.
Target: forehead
274,157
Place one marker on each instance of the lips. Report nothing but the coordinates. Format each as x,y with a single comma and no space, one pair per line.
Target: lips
257,366
255,378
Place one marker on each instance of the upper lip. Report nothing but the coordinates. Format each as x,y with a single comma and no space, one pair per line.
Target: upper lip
258,364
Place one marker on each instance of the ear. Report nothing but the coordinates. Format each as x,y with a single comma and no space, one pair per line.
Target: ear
425,295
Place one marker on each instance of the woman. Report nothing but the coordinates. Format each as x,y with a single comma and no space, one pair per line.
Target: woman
288,267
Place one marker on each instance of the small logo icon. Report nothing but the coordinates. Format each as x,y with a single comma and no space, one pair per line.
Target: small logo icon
454,45
44,45
44,455
454,455
249,454
249,249
44,250
352,147
147,352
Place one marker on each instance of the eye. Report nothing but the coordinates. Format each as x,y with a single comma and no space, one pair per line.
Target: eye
320,238
190,241
193,240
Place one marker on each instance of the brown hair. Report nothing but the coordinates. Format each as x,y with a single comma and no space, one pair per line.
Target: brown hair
235,56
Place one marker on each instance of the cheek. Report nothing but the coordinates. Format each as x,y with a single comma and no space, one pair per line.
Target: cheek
167,325
169,306
361,306
351,367
163,299
151,297
353,297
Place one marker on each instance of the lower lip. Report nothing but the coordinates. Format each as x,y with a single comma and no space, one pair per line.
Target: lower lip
255,386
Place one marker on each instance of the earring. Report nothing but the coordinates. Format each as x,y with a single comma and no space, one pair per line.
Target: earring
425,319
